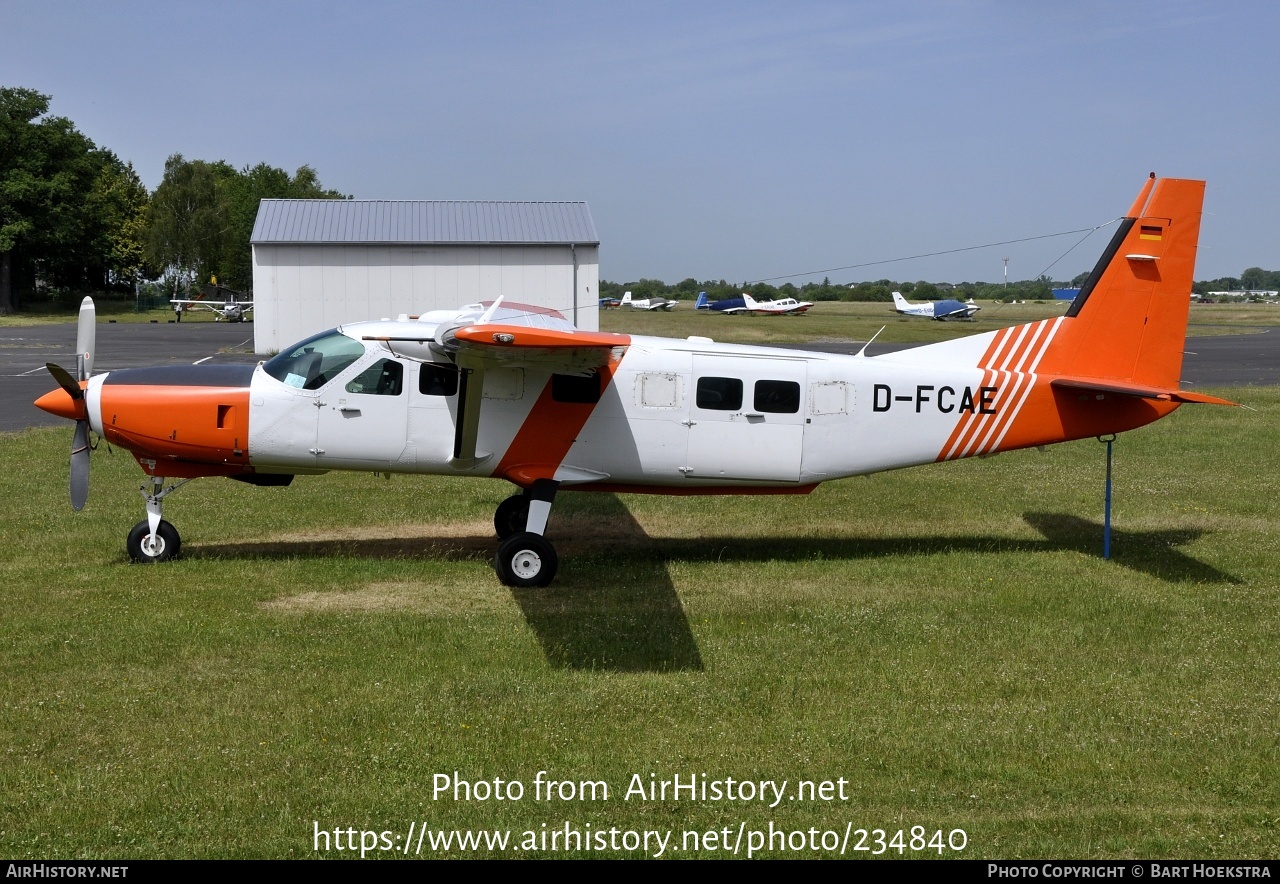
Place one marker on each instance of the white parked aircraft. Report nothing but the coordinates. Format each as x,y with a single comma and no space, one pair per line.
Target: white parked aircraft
648,303
747,304
777,307
514,392
947,310
231,307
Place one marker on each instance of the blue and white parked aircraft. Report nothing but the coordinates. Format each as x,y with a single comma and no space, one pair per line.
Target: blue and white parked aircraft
935,309
724,305
748,304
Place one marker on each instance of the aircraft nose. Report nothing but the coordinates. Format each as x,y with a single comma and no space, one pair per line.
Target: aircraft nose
59,402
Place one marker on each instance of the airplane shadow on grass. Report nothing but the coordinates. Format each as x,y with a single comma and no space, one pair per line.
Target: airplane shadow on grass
635,621
1153,553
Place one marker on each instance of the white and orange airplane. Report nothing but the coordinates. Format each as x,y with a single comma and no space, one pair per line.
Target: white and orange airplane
514,392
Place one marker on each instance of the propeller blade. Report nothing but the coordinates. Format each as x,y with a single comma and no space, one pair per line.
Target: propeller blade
80,466
86,338
65,380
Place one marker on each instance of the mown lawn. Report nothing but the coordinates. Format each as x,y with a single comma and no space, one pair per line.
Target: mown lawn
945,639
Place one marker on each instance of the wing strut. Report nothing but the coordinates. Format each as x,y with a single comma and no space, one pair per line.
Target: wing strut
467,428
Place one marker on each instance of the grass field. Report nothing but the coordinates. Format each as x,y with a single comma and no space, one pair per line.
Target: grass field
945,639
108,309
828,321
839,321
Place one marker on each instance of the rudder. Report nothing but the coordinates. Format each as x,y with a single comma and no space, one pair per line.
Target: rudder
1129,321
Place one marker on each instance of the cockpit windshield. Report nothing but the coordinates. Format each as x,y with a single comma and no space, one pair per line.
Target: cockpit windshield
311,364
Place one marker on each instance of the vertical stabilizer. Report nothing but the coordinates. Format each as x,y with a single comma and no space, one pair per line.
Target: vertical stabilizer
1129,322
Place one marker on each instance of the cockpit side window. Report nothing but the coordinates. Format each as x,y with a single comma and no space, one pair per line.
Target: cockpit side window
311,364
384,378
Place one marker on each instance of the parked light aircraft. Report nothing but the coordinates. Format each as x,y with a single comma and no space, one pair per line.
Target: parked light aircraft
724,305
946,310
648,303
747,304
231,307
514,392
776,307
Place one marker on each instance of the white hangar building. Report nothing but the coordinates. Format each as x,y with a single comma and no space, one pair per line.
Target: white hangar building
320,263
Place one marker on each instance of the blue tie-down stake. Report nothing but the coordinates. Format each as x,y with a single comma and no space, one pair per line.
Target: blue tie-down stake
1106,513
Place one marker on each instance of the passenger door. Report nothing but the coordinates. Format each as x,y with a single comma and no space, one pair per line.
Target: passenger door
746,418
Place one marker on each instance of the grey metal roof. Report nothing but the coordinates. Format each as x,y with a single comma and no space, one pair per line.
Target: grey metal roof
423,221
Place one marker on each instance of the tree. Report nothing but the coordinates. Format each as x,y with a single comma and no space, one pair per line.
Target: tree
50,223
202,216
122,201
187,225
1256,279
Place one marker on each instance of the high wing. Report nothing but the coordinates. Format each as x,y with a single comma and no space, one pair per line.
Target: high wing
508,345
533,337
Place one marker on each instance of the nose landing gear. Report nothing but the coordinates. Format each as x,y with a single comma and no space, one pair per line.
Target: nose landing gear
153,539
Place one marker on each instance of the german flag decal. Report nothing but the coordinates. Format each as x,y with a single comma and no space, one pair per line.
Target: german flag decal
1151,232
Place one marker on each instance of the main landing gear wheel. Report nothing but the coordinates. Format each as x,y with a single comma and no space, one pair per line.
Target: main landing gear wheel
512,516
525,560
143,550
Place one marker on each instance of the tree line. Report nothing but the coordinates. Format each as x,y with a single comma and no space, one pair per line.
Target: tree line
74,217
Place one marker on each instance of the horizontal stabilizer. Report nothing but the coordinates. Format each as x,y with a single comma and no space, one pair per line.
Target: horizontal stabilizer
1140,390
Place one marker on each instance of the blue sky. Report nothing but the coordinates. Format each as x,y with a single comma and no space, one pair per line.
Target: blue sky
714,140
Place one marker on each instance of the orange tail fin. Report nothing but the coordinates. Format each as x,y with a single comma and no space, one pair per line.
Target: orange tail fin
1129,322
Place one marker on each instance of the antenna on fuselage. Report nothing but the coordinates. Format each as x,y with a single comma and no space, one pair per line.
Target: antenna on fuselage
488,314
863,351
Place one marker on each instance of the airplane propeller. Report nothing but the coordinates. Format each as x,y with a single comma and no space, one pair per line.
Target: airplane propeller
86,337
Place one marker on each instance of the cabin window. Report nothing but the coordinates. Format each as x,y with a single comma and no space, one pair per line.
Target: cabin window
720,394
311,364
384,378
571,388
777,397
437,380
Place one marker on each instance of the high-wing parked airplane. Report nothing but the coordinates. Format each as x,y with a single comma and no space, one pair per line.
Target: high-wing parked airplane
648,303
946,310
514,392
230,307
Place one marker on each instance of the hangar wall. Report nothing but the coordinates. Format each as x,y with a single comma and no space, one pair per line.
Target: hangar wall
302,289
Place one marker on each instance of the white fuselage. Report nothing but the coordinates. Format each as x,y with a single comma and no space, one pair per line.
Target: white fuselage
691,413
